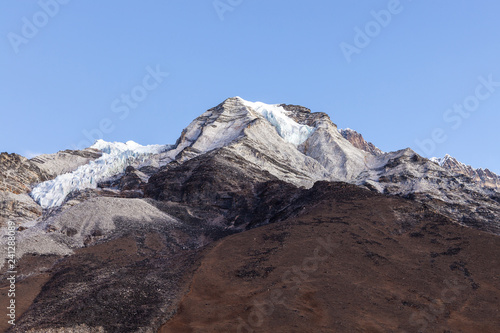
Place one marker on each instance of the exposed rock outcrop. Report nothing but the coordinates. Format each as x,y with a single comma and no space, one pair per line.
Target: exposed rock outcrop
357,140
17,173
221,189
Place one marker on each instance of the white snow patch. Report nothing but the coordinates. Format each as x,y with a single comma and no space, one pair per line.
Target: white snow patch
441,161
116,157
287,128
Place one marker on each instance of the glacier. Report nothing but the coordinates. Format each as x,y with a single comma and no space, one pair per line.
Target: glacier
115,158
287,128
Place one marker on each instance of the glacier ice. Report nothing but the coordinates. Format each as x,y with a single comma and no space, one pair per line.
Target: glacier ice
116,157
287,128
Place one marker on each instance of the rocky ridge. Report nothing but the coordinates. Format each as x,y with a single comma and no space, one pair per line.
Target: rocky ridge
483,177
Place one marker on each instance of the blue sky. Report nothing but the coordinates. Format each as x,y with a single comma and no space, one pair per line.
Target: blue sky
419,74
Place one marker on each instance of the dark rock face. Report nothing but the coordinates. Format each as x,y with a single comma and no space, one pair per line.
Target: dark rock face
357,140
295,108
227,190
131,181
130,184
304,116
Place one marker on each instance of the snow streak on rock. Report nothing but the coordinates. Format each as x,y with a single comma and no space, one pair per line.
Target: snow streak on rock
287,128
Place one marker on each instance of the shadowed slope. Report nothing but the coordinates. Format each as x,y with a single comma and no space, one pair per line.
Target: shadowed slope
351,261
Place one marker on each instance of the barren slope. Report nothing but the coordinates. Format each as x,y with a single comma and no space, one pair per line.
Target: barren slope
353,262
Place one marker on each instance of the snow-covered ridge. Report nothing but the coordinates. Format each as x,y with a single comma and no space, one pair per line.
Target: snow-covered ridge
287,128
116,157
441,161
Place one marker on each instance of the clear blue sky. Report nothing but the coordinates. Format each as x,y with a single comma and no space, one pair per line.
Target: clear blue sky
70,75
